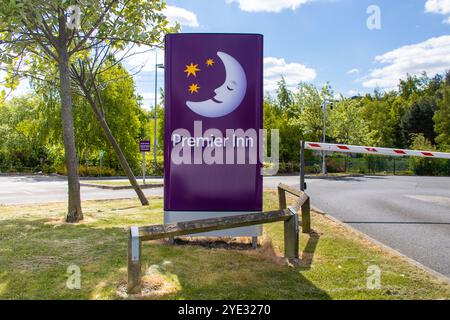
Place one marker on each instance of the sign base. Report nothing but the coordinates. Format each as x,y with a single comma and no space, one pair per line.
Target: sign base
179,216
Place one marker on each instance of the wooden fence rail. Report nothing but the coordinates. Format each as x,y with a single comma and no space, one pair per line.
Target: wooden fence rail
288,215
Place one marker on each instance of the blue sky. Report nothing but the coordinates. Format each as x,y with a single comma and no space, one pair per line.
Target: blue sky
327,40
320,40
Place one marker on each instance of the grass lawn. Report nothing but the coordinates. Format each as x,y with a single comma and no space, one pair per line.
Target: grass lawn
36,248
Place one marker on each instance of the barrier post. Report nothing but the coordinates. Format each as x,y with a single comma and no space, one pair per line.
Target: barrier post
134,261
302,166
282,198
306,216
291,237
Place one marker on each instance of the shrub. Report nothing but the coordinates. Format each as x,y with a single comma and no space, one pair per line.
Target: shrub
427,166
91,171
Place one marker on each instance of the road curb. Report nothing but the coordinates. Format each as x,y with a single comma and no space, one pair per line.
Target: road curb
344,176
103,186
415,263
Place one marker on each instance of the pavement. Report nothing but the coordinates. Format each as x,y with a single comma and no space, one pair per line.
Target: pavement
408,214
41,189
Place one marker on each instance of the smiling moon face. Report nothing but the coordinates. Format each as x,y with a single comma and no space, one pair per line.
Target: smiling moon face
228,96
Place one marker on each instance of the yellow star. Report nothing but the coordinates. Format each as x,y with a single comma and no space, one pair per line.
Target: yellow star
194,88
209,62
191,69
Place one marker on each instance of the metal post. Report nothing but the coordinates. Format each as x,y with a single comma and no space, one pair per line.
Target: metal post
143,167
87,161
394,167
101,163
302,166
155,140
324,133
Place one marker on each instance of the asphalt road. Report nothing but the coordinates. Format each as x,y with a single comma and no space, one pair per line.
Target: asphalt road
409,214
42,189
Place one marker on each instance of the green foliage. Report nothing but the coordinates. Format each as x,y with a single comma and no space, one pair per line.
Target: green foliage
22,141
284,95
31,131
390,119
381,116
89,171
346,122
308,113
427,166
442,119
418,119
31,41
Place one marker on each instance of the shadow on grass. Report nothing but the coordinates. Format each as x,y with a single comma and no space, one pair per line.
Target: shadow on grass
35,255
309,250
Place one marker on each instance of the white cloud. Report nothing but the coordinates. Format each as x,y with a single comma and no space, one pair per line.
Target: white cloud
148,100
439,7
269,5
293,73
352,93
274,69
431,56
143,59
182,16
353,71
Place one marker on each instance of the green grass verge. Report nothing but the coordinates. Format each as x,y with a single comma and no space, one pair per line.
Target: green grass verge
36,248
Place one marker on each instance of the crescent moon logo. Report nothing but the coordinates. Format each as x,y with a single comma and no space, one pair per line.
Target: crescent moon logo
228,96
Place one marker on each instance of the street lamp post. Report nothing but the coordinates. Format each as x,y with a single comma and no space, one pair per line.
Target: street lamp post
155,138
324,134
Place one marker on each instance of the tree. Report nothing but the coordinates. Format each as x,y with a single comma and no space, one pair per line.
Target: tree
419,119
36,35
346,123
89,81
381,116
284,95
442,119
426,166
22,135
309,113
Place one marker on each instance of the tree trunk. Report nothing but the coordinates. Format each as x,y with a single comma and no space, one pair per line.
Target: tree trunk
74,213
123,161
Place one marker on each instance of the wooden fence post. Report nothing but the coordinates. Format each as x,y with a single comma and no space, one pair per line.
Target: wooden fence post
306,217
134,261
282,198
291,237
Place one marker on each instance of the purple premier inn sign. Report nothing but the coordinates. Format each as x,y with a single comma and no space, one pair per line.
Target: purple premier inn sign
213,106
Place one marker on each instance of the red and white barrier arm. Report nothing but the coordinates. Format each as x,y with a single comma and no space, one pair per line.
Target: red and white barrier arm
319,146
